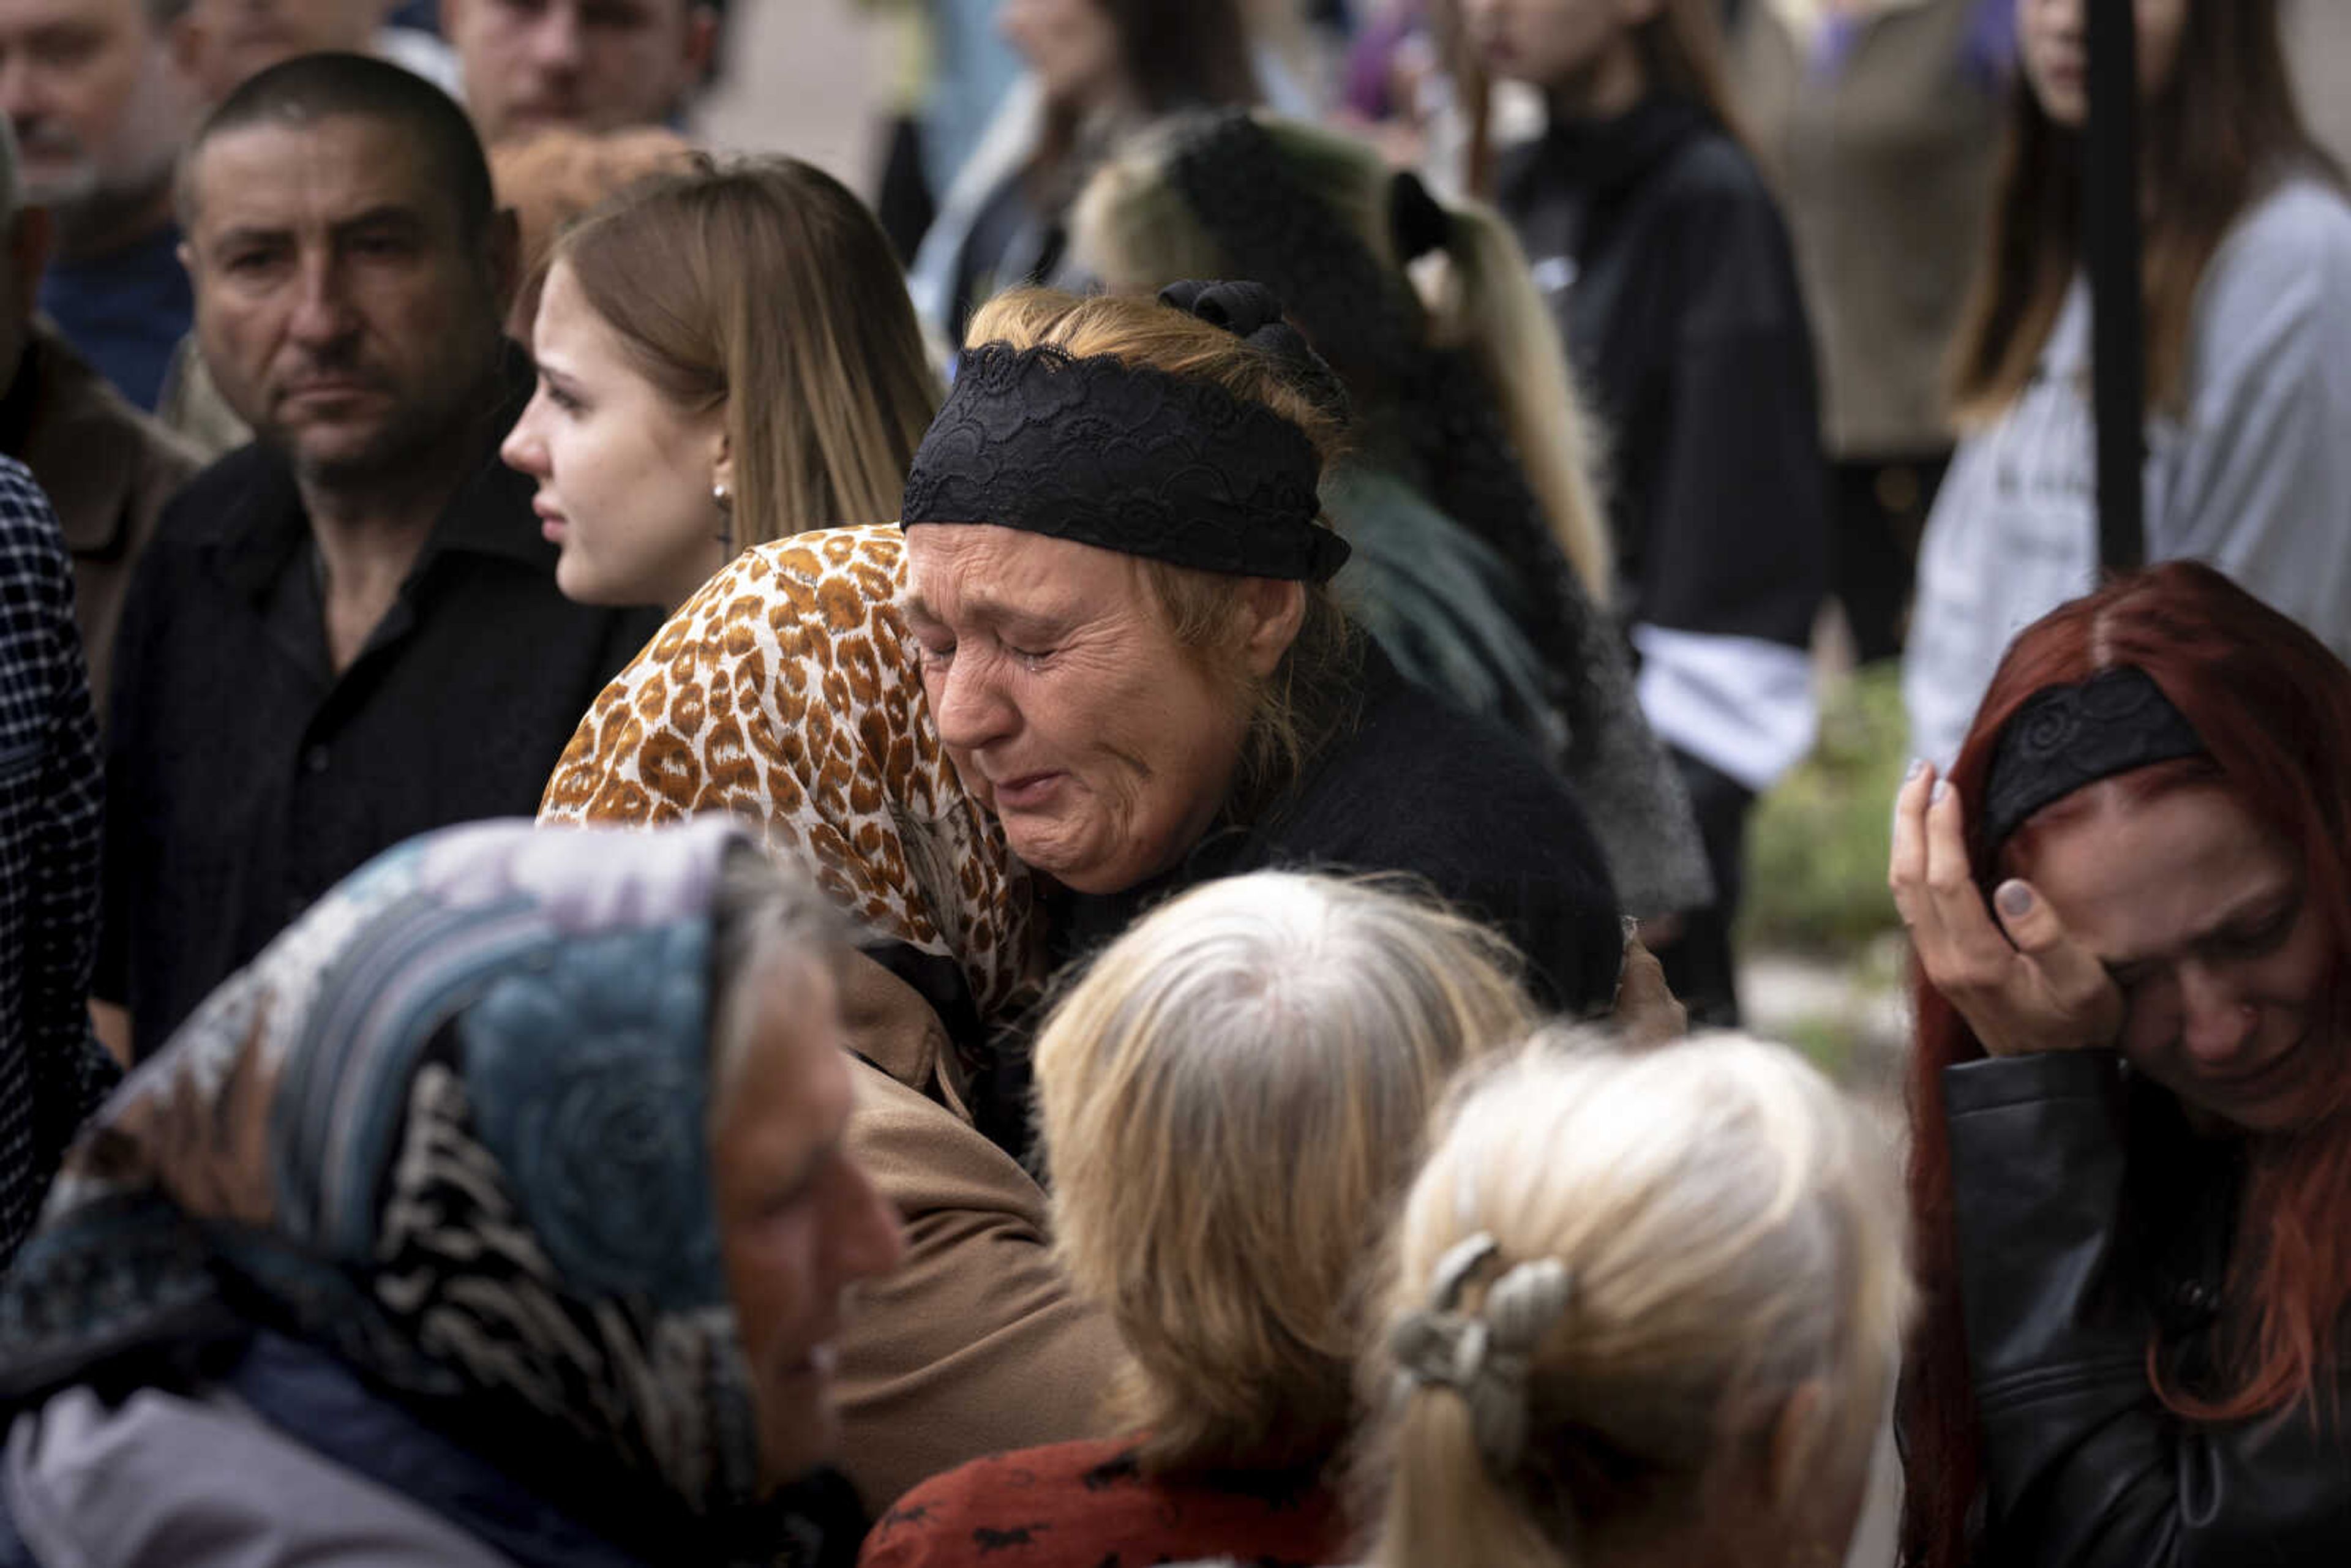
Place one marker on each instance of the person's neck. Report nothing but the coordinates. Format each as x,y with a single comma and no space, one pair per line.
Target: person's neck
109,221
370,529
1611,85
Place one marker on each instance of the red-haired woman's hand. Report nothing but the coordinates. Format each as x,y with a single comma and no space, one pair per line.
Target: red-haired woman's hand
2022,984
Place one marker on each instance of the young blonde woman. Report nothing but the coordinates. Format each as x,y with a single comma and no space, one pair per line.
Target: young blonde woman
724,357
1177,1084
1641,1309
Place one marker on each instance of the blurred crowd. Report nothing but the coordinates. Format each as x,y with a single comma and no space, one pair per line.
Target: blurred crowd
1042,866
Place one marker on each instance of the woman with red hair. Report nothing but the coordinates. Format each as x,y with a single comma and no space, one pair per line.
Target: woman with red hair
2132,1166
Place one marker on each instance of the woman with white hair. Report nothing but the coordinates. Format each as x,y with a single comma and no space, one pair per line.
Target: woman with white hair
1642,1308
1229,1030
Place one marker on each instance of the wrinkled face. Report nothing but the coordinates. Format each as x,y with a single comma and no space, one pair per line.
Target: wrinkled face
624,477
222,43
1072,45
798,1221
91,92
2055,39
1066,702
1552,43
345,316
2202,919
594,65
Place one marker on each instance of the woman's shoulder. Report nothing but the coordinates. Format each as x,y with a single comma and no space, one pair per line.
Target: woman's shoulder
2297,232
1421,787
1713,168
1083,1502
1086,1465
195,1479
1012,1506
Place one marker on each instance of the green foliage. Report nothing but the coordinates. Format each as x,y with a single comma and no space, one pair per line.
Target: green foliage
1816,845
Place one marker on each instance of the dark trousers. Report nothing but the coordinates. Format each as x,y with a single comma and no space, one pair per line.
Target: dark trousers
1698,964
1878,507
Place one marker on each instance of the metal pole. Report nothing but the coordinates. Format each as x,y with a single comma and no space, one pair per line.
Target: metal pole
2111,185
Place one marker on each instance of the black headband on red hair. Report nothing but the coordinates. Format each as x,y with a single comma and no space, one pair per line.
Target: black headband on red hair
2066,737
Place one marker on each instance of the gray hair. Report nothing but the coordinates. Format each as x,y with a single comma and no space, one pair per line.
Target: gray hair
1178,1083
766,913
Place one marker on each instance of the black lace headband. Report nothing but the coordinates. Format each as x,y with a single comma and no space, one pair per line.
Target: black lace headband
1133,459
2067,737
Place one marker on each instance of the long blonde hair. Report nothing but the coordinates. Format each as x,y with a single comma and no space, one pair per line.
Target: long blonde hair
766,287
1136,230
1230,1100
1730,1233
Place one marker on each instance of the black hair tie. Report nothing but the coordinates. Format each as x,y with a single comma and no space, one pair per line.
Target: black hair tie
1249,312
1253,313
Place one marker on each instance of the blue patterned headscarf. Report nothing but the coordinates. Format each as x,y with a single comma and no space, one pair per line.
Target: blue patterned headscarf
452,1126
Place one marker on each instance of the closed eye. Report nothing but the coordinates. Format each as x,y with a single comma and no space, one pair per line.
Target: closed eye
2259,936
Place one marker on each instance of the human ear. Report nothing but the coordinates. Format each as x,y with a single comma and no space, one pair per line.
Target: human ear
1273,612
722,466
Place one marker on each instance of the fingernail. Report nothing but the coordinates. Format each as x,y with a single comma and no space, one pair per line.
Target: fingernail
1918,766
2014,898
1941,791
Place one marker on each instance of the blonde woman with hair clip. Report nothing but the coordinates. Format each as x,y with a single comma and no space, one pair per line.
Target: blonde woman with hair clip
725,358
1643,1308
1177,1082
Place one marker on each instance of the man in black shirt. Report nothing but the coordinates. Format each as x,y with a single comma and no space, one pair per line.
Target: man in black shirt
349,631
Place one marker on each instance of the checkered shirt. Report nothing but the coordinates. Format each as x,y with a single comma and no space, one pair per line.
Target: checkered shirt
51,1071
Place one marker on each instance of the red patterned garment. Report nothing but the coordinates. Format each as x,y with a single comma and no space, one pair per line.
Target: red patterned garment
1091,1505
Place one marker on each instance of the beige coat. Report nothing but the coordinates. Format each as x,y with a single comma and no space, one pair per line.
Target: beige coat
975,1344
1885,172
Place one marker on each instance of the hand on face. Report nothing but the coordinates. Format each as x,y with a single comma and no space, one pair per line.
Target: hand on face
2023,985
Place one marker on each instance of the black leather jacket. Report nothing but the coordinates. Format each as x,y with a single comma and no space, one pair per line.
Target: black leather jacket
2083,1466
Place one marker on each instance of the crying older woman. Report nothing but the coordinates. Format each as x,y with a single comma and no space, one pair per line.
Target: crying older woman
1118,576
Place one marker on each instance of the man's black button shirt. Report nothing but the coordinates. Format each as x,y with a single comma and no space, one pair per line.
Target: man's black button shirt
244,779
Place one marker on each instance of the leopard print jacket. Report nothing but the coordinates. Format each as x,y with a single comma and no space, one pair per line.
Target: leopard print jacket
787,694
